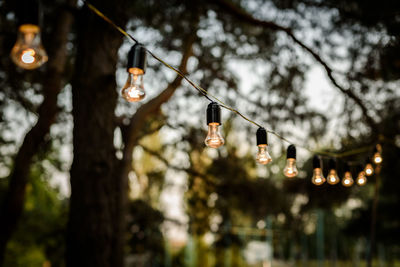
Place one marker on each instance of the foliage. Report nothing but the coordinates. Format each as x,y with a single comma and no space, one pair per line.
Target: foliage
40,236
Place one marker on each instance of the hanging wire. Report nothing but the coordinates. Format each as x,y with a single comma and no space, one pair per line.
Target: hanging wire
208,95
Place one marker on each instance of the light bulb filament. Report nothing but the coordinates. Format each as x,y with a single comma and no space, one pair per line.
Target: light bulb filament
28,56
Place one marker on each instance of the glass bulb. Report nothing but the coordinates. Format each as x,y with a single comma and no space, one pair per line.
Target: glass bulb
377,158
133,91
333,178
28,51
318,177
361,178
214,139
369,170
347,179
290,169
263,156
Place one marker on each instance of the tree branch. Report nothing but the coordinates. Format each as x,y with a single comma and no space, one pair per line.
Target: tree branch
165,161
240,13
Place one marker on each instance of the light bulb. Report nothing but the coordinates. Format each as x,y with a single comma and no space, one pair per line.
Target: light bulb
361,178
290,169
318,178
377,158
377,154
347,179
332,177
214,139
28,51
369,170
263,156
133,91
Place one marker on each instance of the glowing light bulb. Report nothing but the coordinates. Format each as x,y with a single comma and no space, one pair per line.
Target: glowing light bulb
133,91
214,139
347,179
377,158
28,51
332,177
290,169
369,170
377,154
318,178
263,156
361,178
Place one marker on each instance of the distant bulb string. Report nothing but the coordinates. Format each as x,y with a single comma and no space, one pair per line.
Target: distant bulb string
207,95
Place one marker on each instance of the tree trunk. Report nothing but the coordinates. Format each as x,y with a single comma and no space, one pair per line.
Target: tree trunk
12,206
95,227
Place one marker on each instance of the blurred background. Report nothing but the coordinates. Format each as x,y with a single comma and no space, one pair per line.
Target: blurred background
88,179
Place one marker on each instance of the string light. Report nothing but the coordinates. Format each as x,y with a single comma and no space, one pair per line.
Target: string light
28,52
133,90
214,139
136,69
347,178
262,156
290,169
377,154
332,177
318,177
206,94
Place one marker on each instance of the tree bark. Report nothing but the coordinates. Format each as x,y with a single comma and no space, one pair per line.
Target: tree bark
95,227
13,203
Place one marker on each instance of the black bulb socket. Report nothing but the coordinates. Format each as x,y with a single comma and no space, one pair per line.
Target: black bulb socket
137,59
27,12
262,138
291,152
213,113
317,162
332,164
360,168
346,167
